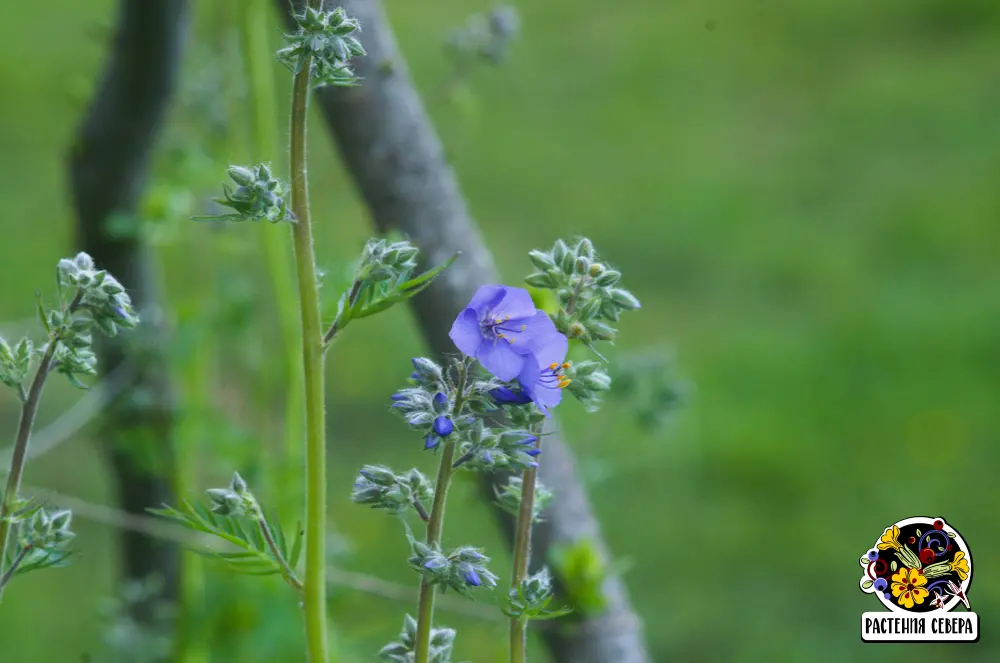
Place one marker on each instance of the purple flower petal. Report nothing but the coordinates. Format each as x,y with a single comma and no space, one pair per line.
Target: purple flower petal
487,297
470,575
517,304
539,336
504,395
466,333
498,358
443,426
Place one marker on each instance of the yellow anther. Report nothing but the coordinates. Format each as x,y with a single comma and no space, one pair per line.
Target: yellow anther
564,383
523,327
566,365
553,367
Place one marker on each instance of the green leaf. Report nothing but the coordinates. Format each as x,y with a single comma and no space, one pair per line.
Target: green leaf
867,584
253,557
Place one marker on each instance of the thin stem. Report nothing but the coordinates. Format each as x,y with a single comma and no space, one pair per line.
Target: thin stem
522,556
435,525
13,566
314,600
287,571
20,453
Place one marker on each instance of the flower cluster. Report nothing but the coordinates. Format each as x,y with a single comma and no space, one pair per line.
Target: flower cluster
326,39
484,410
442,641
461,569
381,488
258,196
510,338
588,290
531,599
234,501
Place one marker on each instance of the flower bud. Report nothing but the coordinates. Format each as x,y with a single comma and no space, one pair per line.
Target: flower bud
585,249
541,280
542,260
440,403
241,175
238,485
608,278
443,426
624,299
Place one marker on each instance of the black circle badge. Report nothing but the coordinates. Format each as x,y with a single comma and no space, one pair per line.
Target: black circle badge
920,569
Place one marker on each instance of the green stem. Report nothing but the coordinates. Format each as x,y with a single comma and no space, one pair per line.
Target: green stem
314,602
435,525
29,407
522,556
254,30
287,572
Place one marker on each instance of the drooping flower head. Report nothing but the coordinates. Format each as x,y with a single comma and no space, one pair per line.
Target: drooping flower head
500,328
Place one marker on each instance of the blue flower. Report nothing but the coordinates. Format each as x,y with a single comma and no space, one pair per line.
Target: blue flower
470,575
543,380
431,441
443,426
501,328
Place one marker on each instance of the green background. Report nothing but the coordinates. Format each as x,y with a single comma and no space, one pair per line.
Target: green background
803,196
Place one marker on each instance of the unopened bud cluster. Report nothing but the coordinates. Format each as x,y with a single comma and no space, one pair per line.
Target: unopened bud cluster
383,260
258,196
442,641
428,407
381,488
327,41
46,531
509,498
530,600
234,501
462,569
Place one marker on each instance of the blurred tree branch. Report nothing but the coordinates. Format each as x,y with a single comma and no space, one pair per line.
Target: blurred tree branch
108,165
397,161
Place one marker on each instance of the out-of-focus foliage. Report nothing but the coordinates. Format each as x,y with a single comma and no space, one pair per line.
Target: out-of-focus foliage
803,195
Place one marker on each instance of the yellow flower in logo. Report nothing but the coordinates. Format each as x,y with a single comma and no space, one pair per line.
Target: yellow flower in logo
890,539
960,565
908,587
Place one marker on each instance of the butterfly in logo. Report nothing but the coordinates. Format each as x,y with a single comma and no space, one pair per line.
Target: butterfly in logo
955,590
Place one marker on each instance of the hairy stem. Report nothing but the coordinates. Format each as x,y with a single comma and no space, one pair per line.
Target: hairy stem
435,525
287,571
522,555
29,408
9,573
314,600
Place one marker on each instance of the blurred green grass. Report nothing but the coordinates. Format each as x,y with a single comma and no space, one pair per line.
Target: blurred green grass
802,195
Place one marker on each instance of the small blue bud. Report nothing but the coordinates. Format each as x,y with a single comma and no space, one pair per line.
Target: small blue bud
533,452
503,395
488,457
533,465
443,426
398,397
440,402
431,441
470,575
414,375
531,439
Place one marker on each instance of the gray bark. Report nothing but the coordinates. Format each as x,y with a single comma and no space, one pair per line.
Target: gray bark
108,164
397,161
